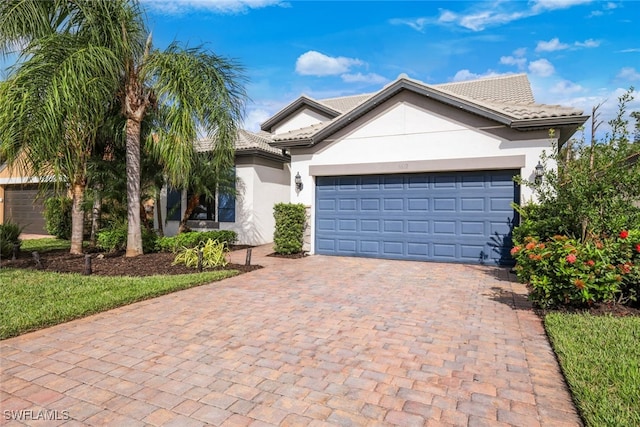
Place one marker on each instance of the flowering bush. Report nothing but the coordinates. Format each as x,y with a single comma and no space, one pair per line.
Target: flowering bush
565,271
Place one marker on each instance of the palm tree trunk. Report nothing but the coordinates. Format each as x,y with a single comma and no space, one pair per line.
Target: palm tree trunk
77,219
96,211
158,212
191,205
134,233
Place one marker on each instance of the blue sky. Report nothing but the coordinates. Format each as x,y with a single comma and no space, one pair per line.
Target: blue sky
575,52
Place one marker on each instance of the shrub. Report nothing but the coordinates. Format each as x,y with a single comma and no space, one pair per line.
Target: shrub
57,214
115,239
9,236
192,239
213,255
289,233
566,271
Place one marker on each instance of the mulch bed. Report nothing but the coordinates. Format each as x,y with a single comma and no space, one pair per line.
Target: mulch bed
116,264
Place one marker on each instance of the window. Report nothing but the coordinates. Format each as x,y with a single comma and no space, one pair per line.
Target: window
208,209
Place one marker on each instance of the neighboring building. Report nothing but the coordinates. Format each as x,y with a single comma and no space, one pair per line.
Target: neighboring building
413,171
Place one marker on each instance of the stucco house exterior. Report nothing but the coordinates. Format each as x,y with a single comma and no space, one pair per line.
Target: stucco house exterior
417,171
413,171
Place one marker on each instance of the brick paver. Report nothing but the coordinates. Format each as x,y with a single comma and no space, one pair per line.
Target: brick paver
313,341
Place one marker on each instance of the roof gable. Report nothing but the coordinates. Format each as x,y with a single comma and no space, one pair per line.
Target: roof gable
507,100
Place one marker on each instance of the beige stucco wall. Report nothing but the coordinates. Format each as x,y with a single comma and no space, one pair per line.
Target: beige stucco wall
300,119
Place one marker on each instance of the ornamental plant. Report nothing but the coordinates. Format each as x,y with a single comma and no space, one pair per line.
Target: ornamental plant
578,244
565,271
213,255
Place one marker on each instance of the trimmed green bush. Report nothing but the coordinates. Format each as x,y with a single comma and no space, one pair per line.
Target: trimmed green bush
57,215
192,239
115,239
290,221
9,236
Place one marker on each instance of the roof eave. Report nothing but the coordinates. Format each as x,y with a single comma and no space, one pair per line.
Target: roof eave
294,143
264,154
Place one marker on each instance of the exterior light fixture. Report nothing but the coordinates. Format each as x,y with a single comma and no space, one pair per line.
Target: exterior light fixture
539,171
298,181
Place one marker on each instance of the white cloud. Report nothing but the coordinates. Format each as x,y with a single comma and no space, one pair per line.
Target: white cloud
481,20
541,67
512,60
464,75
541,5
178,7
314,63
370,78
629,73
565,87
551,46
632,50
254,118
447,16
588,43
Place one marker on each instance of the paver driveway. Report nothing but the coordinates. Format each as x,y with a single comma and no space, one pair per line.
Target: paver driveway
315,341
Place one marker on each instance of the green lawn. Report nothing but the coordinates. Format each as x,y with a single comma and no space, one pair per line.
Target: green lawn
31,299
600,357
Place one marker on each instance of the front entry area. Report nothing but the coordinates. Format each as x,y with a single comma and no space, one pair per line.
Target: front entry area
446,216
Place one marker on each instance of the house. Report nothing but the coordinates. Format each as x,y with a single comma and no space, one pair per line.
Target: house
413,171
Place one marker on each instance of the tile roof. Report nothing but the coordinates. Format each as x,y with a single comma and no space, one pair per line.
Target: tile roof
509,98
245,141
510,88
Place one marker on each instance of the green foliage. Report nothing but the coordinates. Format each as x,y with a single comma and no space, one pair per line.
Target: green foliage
594,189
213,255
565,271
9,236
290,222
599,357
194,238
115,239
57,215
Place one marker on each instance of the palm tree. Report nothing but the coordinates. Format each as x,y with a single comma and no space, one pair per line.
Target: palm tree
189,90
59,92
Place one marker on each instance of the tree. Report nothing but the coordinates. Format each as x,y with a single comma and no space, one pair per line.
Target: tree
187,90
59,92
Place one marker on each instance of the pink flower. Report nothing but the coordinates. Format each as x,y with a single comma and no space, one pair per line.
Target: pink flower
624,234
571,258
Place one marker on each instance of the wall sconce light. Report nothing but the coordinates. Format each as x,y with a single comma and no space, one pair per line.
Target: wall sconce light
298,182
539,171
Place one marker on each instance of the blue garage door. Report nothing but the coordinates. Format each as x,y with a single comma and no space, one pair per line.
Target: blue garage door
450,217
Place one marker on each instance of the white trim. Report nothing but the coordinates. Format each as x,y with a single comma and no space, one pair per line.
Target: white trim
26,180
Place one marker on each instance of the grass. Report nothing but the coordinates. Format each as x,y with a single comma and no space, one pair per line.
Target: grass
31,300
600,358
44,244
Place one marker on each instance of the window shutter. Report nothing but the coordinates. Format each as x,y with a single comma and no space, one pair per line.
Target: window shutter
174,202
227,204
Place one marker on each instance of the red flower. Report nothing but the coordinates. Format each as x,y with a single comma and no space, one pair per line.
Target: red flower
590,263
516,249
530,246
638,248
624,234
571,258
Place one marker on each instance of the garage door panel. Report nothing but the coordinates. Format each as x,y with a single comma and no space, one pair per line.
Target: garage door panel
458,217
23,207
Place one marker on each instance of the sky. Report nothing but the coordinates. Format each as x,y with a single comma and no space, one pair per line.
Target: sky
577,53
